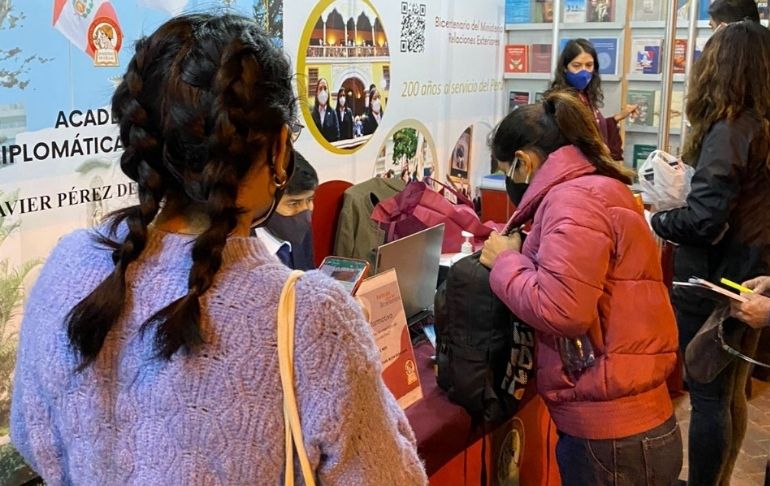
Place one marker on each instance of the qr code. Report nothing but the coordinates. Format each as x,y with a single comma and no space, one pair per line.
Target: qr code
412,27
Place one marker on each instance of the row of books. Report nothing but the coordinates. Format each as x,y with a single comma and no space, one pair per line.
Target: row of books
580,11
646,55
536,58
574,11
647,101
519,98
648,108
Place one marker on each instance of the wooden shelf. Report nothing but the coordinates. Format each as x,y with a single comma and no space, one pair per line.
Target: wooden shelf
520,27
650,78
529,76
648,24
591,26
641,129
612,78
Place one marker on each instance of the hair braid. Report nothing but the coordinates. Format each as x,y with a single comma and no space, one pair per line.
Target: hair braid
202,97
237,91
90,321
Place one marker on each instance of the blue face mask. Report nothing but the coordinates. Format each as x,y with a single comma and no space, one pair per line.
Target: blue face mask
579,80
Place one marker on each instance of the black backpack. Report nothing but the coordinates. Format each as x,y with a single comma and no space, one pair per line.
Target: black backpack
484,354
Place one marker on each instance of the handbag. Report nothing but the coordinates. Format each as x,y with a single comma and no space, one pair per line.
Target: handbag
292,426
419,207
719,341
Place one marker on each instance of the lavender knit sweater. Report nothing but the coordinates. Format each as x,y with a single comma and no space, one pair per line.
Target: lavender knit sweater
212,417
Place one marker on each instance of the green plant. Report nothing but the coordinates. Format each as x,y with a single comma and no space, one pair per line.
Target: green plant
404,144
12,467
13,470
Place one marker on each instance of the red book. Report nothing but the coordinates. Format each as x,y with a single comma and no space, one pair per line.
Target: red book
516,58
540,58
680,55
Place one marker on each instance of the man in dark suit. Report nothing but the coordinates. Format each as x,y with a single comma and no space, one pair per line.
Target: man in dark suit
288,233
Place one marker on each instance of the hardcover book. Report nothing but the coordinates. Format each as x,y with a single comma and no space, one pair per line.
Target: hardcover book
648,10
517,12
601,11
645,100
575,11
516,59
645,54
540,58
607,54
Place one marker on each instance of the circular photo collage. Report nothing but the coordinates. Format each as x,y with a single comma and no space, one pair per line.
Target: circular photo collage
344,73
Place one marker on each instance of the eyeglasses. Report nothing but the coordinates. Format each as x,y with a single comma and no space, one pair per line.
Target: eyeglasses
734,352
296,129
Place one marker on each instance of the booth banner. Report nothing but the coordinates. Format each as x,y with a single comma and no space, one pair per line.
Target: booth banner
421,82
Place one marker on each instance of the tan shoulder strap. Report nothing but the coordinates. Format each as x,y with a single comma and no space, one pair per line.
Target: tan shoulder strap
285,332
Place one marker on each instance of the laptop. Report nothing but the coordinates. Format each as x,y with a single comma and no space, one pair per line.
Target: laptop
416,260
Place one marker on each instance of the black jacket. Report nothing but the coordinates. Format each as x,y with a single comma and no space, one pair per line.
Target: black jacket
370,122
330,128
724,231
345,119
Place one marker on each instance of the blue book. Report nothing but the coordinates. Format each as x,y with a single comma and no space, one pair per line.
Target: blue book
607,54
703,9
518,12
563,44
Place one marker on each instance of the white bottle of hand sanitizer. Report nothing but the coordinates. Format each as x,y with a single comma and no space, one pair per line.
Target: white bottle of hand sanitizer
467,247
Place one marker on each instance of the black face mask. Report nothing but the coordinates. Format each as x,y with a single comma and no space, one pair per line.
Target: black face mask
514,189
293,229
279,190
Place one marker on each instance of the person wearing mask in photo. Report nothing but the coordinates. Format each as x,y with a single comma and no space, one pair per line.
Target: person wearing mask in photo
724,12
323,115
578,70
288,233
588,279
724,230
344,116
374,112
147,351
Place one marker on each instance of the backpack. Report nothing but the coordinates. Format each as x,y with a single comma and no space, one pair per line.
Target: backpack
484,354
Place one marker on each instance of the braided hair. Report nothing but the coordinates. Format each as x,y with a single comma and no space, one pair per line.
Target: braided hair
201,98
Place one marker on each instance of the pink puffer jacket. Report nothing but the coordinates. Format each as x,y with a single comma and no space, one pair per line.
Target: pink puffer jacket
590,266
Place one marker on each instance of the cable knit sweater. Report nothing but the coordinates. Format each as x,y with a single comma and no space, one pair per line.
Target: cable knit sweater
213,416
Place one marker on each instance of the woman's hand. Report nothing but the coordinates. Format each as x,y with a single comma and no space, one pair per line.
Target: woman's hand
760,285
628,110
755,311
497,244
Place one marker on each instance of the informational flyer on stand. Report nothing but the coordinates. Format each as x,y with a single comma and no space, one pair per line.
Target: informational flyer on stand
382,298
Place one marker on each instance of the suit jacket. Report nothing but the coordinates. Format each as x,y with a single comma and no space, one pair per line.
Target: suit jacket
370,122
357,234
330,128
346,123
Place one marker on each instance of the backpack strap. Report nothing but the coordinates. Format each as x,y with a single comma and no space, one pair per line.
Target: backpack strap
292,426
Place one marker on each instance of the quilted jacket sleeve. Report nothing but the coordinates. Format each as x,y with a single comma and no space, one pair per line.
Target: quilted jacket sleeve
559,293
715,188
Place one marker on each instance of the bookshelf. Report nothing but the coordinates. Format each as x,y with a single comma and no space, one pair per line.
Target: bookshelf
630,23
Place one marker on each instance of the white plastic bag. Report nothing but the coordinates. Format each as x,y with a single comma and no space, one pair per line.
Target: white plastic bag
665,181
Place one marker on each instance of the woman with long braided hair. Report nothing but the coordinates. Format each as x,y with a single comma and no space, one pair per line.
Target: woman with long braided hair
148,349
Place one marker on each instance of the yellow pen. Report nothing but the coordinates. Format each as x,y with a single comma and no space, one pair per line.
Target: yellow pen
740,288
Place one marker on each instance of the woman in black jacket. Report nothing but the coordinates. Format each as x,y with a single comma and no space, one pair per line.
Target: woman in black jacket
374,112
724,231
324,117
344,116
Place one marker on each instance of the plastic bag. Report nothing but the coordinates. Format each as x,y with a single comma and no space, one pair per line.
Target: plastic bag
665,181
